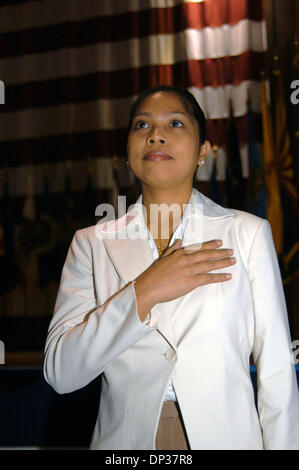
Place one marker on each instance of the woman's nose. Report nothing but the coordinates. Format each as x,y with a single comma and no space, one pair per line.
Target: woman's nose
156,137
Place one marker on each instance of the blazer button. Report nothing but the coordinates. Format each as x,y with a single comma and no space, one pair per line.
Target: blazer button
170,355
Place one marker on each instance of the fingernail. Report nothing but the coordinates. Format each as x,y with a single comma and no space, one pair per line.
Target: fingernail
219,242
228,276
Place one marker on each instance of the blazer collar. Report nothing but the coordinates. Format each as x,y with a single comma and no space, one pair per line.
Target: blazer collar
198,204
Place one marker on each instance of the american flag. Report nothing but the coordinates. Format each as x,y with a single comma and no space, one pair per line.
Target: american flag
72,68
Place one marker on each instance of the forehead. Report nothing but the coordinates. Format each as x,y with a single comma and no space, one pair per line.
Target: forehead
162,102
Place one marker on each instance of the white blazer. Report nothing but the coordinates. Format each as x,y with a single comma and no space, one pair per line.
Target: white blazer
202,340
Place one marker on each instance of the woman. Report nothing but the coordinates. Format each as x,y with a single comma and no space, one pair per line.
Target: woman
171,317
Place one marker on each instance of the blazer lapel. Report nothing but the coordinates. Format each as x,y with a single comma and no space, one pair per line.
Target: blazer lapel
131,258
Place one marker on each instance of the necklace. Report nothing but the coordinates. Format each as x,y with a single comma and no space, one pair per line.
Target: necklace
162,245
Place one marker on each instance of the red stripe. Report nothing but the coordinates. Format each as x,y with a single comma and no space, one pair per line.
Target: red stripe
226,70
124,83
216,13
216,130
129,25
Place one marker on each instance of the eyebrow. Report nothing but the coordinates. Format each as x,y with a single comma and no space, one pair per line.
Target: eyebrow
165,114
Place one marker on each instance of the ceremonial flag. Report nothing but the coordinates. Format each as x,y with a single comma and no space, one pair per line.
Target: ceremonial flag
288,190
274,211
234,179
283,145
256,194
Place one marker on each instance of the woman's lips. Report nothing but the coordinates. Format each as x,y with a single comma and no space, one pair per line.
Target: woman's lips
156,156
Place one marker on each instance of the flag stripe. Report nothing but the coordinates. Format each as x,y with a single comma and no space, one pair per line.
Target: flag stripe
119,84
106,16
116,29
167,49
113,114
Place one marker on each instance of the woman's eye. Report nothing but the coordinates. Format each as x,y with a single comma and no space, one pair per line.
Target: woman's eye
140,125
176,123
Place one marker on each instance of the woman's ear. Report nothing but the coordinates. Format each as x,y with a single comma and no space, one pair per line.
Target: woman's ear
205,151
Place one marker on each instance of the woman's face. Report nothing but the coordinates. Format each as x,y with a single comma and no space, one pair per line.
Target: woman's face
161,128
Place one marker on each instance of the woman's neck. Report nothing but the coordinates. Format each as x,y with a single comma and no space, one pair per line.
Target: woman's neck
164,210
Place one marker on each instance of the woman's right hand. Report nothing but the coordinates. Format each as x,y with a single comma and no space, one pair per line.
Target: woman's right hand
178,271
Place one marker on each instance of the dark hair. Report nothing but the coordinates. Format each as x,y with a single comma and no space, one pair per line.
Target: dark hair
188,100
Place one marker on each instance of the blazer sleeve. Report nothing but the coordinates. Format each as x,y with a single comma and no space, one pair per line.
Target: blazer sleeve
83,337
278,398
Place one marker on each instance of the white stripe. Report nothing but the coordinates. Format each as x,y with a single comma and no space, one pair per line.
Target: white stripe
216,101
225,40
49,12
244,161
101,176
221,165
165,49
204,173
114,114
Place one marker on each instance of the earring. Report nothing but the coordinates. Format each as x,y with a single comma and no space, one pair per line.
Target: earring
201,162
127,163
